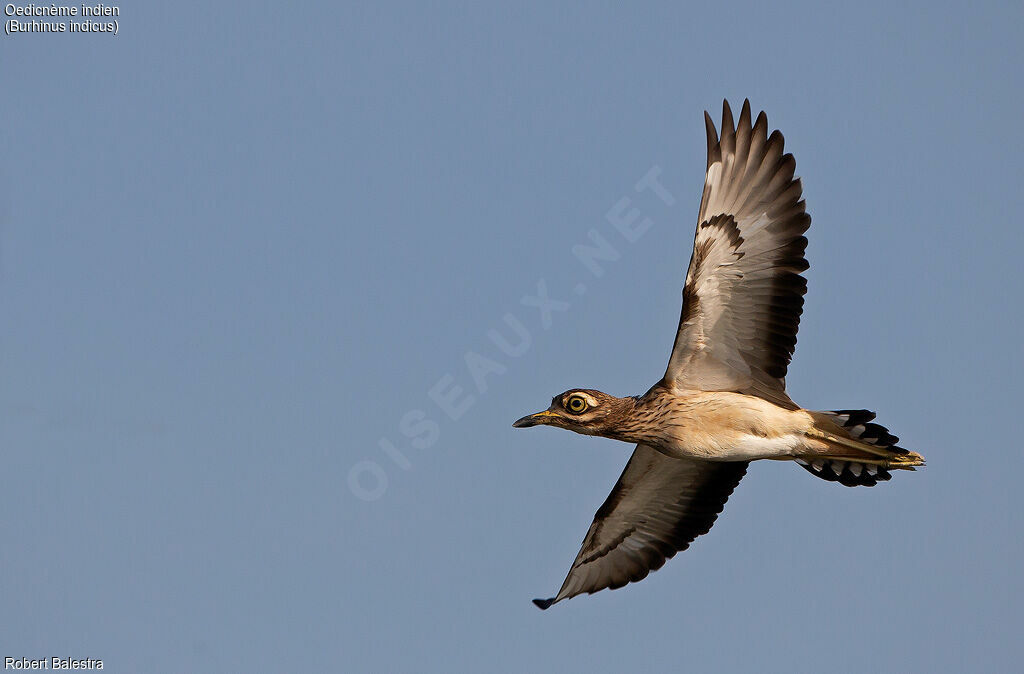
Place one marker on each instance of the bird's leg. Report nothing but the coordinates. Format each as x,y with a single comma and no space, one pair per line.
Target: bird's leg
897,461
849,443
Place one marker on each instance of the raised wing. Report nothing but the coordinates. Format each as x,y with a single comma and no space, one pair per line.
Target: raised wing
658,506
744,293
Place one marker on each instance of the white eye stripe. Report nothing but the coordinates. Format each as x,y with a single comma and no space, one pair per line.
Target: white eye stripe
591,401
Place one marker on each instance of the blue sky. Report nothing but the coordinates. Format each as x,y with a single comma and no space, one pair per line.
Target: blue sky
241,245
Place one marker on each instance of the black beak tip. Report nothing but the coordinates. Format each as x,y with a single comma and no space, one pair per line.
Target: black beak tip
525,422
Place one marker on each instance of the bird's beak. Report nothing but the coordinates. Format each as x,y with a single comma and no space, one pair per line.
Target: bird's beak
534,419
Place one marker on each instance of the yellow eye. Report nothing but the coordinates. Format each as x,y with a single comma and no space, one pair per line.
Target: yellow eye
576,404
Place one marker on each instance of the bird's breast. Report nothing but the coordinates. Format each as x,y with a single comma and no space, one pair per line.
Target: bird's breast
723,426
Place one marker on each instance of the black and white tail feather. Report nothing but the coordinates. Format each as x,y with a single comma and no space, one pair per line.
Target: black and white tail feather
852,473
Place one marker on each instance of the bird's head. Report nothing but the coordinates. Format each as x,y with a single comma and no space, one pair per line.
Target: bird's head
582,410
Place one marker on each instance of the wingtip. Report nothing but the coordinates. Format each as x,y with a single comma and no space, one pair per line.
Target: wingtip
745,114
713,151
544,604
727,118
761,125
709,126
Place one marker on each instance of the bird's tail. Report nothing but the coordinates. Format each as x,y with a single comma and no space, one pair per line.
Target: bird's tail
860,453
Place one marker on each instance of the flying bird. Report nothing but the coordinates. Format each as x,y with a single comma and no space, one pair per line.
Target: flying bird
722,402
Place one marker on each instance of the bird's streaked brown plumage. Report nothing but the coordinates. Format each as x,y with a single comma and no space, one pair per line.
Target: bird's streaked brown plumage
722,401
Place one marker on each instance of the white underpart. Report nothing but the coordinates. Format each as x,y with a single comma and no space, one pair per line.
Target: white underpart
752,447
